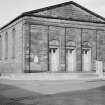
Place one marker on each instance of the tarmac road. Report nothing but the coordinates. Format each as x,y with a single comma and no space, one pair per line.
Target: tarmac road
13,93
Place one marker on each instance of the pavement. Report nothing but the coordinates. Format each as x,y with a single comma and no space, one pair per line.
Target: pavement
33,92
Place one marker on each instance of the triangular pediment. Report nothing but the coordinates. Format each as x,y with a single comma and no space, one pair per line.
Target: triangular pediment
69,10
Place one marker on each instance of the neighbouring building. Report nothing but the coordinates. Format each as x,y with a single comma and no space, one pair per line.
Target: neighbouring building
62,38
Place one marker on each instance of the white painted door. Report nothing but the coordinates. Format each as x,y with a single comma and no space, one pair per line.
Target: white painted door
54,59
87,60
71,60
99,68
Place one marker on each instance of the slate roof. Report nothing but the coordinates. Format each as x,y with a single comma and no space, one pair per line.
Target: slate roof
43,12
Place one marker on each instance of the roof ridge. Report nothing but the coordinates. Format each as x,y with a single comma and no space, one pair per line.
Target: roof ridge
50,7
62,4
91,12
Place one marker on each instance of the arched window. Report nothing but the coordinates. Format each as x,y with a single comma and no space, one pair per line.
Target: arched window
13,43
0,47
6,45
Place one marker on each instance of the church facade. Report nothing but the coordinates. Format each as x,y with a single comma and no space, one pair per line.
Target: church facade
64,38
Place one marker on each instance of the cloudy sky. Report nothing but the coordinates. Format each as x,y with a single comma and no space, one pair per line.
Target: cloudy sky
9,9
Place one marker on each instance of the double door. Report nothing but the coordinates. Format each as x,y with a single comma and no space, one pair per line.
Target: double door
54,59
71,60
86,60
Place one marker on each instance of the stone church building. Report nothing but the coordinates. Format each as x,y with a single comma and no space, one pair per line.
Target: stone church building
64,38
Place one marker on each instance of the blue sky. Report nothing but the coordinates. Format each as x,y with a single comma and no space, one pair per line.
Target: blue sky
9,9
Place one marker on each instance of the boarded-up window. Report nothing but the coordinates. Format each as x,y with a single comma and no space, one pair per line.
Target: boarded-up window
13,43
0,47
6,45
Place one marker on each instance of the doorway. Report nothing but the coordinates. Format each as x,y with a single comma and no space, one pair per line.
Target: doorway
71,60
86,56
54,59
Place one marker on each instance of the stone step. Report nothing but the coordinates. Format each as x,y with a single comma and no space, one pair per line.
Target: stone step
52,76
87,75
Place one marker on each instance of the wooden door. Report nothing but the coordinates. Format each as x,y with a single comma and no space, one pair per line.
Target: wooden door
71,60
86,60
54,59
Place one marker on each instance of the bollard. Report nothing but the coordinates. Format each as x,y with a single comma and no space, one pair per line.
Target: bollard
99,68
